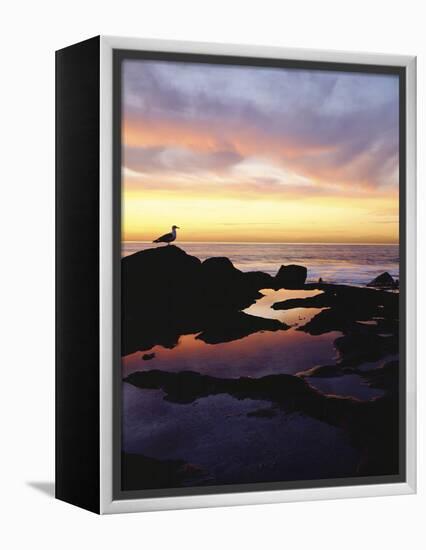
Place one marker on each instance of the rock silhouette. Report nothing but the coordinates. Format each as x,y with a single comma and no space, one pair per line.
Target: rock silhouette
291,276
345,306
385,280
166,293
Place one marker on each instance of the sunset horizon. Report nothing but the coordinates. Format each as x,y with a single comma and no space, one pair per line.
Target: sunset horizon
186,241
257,154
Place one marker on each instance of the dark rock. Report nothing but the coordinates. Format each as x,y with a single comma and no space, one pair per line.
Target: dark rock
384,378
188,386
259,280
318,301
291,276
387,326
368,319
148,356
357,348
167,293
385,280
328,320
375,432
345,307
147,331
234,326
324,371
220,267
158,279
226,287
142,472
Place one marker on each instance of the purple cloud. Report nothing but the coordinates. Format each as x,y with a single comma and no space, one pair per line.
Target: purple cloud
331,126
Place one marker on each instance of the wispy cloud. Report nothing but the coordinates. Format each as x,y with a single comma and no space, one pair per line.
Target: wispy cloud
330,127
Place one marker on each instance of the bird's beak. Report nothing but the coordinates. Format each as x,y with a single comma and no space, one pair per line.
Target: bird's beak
177,227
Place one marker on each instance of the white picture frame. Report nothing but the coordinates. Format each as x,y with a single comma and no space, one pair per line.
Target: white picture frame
108,504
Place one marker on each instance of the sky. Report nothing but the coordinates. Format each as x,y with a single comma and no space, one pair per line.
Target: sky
257,154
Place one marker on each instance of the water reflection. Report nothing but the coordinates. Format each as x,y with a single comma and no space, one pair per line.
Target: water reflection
349,385
219,434
257,355
294,317
216,435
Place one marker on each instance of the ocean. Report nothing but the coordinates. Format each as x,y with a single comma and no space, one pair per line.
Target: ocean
355,264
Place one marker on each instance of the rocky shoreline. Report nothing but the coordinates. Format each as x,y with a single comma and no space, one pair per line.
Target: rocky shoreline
167,293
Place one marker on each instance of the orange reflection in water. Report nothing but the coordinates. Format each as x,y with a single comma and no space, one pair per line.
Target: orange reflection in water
284,351
293,317
256,355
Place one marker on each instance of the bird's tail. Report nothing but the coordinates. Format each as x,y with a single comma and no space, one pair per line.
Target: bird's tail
156,241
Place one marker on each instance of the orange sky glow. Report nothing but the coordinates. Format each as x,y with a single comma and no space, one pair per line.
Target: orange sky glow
245,154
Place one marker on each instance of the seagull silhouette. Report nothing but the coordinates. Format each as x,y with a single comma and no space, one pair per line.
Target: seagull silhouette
168,237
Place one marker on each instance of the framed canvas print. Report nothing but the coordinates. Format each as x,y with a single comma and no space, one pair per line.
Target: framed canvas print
235,275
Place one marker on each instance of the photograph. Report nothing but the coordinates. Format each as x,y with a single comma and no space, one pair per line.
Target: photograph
261,274
212,227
